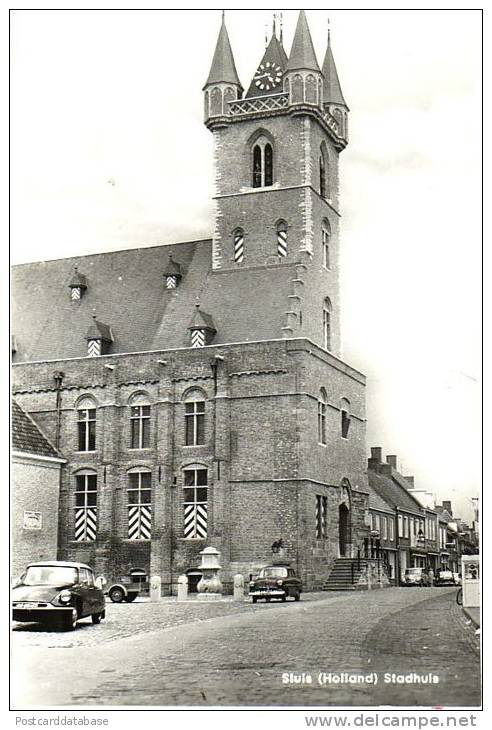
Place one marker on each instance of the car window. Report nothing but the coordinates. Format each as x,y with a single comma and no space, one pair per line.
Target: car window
85,577
48,575
273,572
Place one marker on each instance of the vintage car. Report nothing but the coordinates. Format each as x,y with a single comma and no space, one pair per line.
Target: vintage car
57,593
128,587
416,577
444,578
275,581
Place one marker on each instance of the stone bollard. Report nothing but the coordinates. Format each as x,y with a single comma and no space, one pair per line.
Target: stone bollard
155,589
239,587
182,588
209,588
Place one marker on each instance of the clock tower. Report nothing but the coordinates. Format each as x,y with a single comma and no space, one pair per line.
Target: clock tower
276,159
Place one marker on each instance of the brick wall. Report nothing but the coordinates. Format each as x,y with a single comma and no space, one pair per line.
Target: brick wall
35,488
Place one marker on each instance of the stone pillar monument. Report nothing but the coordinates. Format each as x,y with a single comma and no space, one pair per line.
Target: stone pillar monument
209,588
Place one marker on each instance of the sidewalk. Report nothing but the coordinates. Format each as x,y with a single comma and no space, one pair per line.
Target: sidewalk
473,613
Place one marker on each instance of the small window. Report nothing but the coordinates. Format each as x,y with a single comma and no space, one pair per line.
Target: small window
327,324
198,338
400,526
282,239
405,526
140,426
139,505
345,417
257,167
86,427
322,401
195,423
85,507
195,503
238,237
325,242
321,517
322,175
391,528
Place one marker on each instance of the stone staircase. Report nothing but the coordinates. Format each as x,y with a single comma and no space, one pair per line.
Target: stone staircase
340,578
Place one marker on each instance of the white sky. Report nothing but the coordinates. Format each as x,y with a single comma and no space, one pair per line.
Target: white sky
101,96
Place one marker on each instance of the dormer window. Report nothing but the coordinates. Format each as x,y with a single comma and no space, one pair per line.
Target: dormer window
99,338
77,286
173,274
202,329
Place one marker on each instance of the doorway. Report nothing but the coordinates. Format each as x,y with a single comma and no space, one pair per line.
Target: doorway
343,529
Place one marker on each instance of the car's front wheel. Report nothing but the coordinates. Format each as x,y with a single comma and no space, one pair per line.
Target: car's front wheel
297,597
117,595
255,598
96,618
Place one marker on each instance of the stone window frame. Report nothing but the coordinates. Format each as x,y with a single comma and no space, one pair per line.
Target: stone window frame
262,160
195,395
139,502
327,311
325,243
84,472
345,419
140,400
86,433
321,516
195,467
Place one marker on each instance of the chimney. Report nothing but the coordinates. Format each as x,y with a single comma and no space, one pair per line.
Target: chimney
446,504
411,481
372,464
385,469
377,454
391,460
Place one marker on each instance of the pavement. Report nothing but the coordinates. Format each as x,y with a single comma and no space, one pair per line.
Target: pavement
416,642
473,613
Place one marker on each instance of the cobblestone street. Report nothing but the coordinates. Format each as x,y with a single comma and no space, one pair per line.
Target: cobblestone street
227,654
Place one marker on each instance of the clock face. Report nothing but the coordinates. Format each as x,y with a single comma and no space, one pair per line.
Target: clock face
268,76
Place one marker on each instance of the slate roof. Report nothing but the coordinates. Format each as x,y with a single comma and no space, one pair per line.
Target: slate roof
223,65
377,502
392,493
127,290
302,54
332,91
27,436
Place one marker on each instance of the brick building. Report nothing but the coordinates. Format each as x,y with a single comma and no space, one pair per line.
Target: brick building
35,490
197,390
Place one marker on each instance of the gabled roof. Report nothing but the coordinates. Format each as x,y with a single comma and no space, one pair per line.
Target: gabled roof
302,54
276,55
332,91
393,493
223,67
27,436
128,291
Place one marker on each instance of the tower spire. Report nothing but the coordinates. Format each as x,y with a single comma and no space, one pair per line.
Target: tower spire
302,54
332,91
223,68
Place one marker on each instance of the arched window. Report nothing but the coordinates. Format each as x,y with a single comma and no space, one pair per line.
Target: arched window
229,95
322,401
86,424
262,163
297,89
139,504
85,506
345,417
238,237
216,102
325,242
139,421
194,418
323,190
206,102
281,239
311,89
327,324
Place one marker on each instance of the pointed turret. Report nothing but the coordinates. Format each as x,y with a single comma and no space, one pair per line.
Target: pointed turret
332,89
334,102
223,69
302,55
223,84
303,79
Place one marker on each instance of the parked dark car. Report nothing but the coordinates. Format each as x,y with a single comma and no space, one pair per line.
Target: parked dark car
416,577
275,581
57,593
444,578
128,587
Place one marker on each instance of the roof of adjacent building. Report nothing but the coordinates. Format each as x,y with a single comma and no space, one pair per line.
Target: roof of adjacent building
127,290
27,436
223,68
377,502
392,492
302,54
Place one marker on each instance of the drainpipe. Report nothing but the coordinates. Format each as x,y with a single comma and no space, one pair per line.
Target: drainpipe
58,378
397,535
